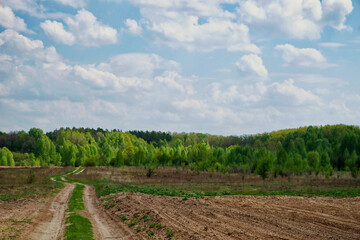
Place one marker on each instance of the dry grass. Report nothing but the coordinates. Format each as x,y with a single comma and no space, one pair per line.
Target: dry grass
22,182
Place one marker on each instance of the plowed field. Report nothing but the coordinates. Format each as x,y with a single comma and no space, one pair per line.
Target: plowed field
239,217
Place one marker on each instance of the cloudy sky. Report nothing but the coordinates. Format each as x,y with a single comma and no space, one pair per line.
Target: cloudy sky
228,67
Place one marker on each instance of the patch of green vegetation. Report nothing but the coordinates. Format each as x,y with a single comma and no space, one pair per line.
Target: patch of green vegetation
145,218
76,202
106,187
25,220
108,205
169,233
138,229
132,223
124,218
150,233
79,227
155,225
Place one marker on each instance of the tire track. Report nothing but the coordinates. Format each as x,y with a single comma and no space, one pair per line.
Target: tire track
52,225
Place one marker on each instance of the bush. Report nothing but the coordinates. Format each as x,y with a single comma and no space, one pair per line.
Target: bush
90,162
31,178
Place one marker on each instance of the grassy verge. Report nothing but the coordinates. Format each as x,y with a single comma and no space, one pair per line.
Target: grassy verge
198,190
79,227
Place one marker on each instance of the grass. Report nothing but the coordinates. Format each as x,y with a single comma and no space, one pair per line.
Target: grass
191,190
155,225
169,233
187,184
78,226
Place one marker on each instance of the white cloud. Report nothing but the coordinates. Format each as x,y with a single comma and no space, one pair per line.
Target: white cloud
287,93
19,42
9,20
300,19
72,3
29,6
303,57
195,25
335,12
57,32
331,44
253,65
190,103
23,48
175,81
83,27
141,65
35,8
133,27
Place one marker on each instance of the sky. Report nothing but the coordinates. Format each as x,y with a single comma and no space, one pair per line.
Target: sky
226,67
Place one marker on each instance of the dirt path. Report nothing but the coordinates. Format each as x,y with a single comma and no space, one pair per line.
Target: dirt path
51,225
104,227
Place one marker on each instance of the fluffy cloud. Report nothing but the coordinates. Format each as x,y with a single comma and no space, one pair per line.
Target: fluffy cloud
83,28
304,57
133,27
195,25
29,6
302,19
287,93
57,32
23,48
53,93
141,65
253,65
335,12
9,20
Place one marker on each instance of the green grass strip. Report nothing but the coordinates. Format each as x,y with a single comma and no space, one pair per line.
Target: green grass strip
105,187
79,227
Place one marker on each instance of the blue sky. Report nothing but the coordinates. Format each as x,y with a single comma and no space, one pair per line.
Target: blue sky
227,67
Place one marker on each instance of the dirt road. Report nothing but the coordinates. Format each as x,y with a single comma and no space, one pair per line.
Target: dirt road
51,225
245,217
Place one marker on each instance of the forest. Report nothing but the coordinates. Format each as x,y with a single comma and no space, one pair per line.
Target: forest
305,150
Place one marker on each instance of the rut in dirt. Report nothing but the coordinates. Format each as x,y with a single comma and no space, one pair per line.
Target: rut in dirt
52,225
104,227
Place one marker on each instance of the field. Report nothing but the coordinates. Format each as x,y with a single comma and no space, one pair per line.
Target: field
177,203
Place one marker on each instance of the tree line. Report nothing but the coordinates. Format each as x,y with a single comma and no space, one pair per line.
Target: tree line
305,150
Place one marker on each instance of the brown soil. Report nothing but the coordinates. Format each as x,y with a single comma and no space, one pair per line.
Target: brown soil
18,216
240,217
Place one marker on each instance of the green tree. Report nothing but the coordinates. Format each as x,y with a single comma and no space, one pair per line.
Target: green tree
352,164
119,159
6,157
263,166
314,161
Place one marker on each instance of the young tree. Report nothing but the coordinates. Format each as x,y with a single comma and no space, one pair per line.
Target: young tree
263,166
314,161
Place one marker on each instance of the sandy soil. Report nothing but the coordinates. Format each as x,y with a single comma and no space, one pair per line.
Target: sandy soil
243,217
19,216
51,225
